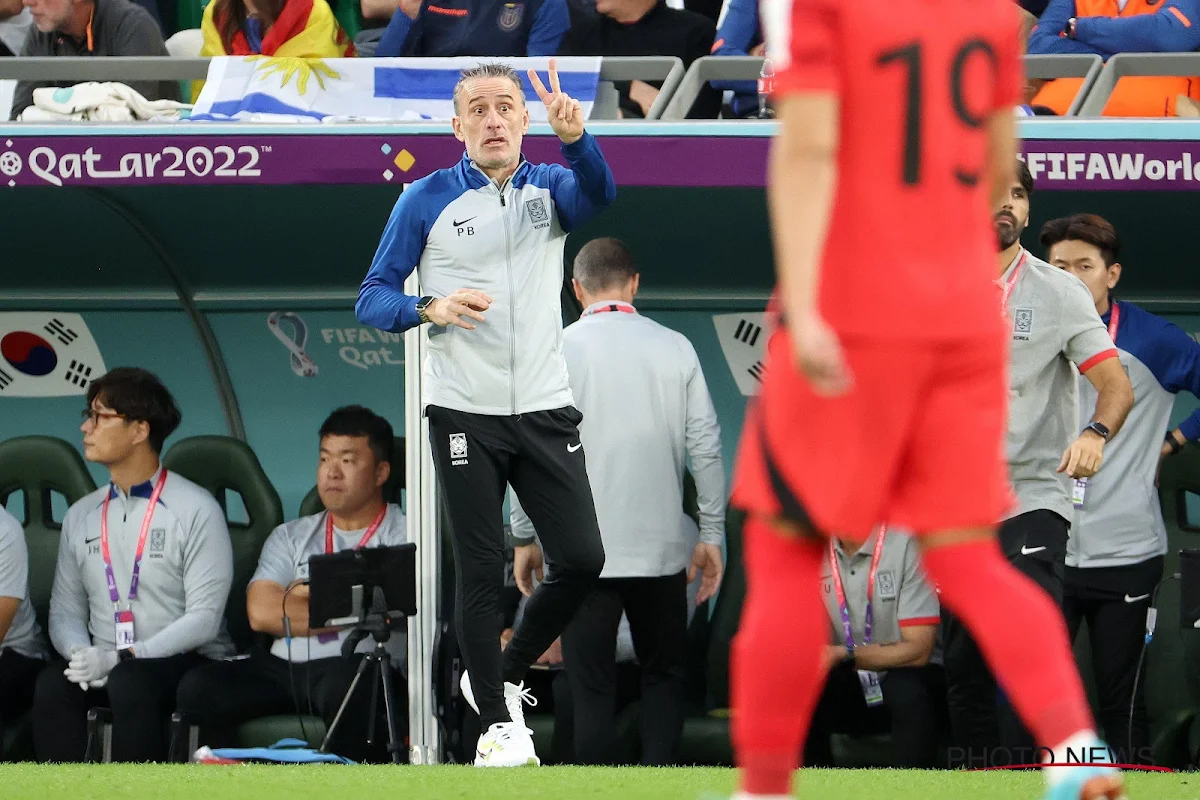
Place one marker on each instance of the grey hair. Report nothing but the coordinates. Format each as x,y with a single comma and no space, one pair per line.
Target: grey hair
488,71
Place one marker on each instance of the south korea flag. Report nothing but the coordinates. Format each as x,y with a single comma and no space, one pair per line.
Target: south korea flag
743,340
46,354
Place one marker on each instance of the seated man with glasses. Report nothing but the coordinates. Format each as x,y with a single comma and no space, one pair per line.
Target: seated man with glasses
145,565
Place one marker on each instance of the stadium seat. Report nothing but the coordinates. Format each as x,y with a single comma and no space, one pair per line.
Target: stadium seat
1171,676
36,467
392,490
222,464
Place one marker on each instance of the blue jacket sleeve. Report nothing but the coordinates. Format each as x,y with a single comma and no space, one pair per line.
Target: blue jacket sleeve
1174,358
549,26
391,45
737,33
587,188
1046,38
1171,29
382,302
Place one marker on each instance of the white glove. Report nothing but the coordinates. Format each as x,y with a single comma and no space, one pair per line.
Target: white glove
90,665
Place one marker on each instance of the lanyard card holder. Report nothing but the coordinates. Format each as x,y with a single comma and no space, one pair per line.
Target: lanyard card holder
125,635
871,687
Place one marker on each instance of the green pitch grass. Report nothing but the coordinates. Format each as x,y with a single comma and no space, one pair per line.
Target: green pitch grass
202,782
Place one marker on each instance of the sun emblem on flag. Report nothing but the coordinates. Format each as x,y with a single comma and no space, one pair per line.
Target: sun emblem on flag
301,68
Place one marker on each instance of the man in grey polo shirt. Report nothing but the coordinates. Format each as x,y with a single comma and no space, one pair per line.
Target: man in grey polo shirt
23,650
1055,331
881,677
304,669
144,570
646,409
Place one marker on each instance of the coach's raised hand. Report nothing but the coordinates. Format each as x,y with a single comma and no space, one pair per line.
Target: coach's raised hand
563,112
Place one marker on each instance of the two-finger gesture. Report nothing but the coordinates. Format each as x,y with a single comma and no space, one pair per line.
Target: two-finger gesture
562,111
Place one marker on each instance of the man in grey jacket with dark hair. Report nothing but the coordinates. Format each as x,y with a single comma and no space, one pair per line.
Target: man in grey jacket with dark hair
145,565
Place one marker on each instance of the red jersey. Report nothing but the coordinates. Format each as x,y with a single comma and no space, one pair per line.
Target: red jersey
910,251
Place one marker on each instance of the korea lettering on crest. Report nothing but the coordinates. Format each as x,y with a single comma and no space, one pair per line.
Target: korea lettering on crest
887,585
458,449
1022,323
536,207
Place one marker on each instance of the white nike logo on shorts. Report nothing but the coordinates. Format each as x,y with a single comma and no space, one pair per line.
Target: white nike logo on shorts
1028,551
573,448
1137,599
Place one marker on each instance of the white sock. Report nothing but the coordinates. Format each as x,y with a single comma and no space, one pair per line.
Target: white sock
1077,745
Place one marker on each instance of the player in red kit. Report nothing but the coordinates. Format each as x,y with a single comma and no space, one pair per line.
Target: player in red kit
885,391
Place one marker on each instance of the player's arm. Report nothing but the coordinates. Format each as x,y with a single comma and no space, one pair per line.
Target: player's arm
268,599
913,650
801,188
1088,346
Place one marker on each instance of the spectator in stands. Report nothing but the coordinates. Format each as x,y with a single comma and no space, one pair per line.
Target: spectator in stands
885,617
475,28
646,410
144,569
739,34
15,22
1107,28
644,28
283,28
23,651
1054,326
92,28
376,15
353,465
1115,554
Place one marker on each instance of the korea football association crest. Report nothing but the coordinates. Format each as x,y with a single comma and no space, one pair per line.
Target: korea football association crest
510,17
887,585
1022,324
536,209
158,542
458,449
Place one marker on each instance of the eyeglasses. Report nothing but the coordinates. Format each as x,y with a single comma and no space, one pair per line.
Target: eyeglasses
96,416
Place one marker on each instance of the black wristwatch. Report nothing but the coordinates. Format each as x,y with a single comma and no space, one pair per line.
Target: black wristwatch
850,656
1069,28
1173,442
126,654
1100,428
423,304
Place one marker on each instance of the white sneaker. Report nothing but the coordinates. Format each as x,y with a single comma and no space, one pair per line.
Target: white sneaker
515,697
506,744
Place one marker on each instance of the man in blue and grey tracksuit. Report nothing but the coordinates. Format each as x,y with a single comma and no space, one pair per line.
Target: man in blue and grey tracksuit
1115,552
486,237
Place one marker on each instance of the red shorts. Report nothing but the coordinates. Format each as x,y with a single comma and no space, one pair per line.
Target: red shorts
918,442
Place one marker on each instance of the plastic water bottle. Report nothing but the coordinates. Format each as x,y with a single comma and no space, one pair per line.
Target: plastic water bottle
766,85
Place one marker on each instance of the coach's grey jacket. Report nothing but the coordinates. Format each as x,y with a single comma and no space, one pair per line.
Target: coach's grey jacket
460,229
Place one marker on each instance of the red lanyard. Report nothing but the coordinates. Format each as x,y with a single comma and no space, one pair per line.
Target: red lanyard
840,590
141,543
366,537
618,306
1113,321
1011,283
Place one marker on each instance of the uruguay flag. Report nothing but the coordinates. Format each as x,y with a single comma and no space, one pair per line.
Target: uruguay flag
264,89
